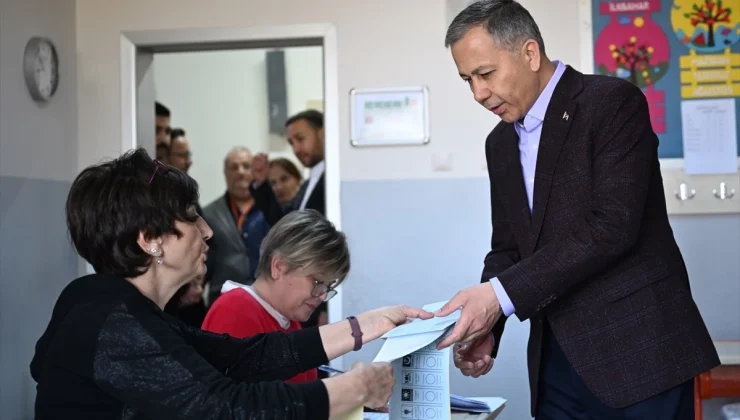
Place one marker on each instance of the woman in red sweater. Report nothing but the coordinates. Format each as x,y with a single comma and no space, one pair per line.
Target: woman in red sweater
302,260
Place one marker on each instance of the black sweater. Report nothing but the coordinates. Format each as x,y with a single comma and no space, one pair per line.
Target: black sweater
110,353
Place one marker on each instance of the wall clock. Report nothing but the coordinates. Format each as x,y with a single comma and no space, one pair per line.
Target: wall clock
41,68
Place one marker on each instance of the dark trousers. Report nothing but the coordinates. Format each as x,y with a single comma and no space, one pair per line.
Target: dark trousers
564,396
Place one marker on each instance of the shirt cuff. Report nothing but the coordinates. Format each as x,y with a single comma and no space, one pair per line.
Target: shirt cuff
503,298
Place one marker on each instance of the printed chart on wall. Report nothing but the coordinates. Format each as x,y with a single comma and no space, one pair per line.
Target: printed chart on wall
685,56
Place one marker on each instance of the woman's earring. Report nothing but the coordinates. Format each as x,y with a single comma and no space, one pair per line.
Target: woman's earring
157,253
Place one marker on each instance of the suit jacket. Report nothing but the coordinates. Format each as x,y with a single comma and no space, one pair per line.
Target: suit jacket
274,211
228,259
596,259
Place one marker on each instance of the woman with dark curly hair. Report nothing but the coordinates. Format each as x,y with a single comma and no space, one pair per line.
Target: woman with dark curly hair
111,352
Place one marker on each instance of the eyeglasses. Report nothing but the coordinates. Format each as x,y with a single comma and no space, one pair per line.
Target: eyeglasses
320,289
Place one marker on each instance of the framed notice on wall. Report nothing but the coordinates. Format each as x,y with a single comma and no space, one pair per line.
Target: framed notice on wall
387,117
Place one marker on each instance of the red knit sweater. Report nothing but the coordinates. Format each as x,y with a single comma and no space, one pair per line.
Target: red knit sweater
239,314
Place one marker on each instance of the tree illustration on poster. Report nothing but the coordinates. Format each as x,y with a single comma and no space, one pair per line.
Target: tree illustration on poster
709,29
706,25
635,58
635,48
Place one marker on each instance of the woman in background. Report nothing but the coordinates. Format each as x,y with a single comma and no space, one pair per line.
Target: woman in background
285,179
110,352
302,260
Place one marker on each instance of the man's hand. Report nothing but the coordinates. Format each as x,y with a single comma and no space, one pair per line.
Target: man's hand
480,311
474,359
260,168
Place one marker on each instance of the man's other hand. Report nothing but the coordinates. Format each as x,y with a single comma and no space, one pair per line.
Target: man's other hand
474,358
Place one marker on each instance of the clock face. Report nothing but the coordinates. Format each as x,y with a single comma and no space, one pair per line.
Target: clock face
41,68
46,70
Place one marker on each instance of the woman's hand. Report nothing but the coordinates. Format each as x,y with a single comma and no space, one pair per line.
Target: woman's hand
337,337
377,322
377,380
369,385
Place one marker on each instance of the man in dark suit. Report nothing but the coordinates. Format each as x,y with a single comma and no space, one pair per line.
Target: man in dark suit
581,244
238,224
305,132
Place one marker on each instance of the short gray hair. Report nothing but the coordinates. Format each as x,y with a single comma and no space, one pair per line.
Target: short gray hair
507,21
306,240
234,150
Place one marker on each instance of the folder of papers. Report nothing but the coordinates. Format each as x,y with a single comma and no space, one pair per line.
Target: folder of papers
467,404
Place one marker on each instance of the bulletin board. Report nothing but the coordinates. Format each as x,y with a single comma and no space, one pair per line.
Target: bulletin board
681,53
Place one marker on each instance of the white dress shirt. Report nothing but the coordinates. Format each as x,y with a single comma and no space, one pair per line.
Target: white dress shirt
313,179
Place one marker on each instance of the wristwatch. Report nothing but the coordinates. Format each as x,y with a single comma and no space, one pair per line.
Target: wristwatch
356,332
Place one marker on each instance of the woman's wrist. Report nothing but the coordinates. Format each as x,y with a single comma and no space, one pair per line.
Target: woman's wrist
373,326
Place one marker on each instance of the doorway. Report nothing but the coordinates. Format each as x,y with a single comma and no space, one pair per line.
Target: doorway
138,94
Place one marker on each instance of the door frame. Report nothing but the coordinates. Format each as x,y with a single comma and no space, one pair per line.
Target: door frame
134,43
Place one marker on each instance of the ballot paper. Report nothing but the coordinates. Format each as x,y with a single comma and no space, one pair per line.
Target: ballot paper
422,389
422,372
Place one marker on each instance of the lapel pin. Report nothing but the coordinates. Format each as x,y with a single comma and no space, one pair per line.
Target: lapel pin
565,116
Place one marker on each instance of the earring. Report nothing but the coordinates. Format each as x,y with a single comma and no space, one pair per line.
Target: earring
157,253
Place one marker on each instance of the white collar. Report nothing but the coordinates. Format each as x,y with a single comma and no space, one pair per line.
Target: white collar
318,168
280,318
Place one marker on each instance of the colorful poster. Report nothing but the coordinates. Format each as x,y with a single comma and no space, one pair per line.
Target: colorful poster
710,27
635,48
673,50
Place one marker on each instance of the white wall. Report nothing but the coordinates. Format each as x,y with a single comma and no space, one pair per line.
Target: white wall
38,160
38,140
220,99
407,50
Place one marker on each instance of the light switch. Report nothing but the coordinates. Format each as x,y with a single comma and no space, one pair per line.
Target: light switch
442,162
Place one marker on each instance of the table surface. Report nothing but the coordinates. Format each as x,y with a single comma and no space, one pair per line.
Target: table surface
729,352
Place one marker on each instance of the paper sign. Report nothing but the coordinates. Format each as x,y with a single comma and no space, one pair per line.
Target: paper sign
709,136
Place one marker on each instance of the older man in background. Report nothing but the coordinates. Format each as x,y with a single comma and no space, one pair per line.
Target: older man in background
239,226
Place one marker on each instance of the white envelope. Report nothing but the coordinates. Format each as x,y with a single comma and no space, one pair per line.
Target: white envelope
420,326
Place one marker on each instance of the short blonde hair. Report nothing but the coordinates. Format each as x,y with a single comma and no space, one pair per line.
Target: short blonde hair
306,240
